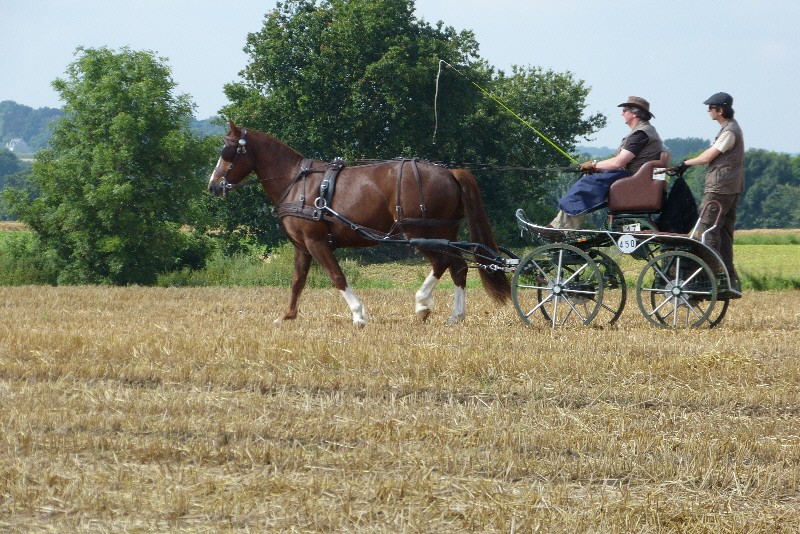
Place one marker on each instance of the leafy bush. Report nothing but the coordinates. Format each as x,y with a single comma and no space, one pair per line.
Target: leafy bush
276,269
22,261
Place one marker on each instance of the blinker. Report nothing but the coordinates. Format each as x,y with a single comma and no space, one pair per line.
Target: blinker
228,152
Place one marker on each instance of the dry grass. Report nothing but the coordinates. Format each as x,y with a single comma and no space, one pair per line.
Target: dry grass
143,409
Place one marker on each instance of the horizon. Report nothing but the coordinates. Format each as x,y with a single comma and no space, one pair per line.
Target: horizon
675,74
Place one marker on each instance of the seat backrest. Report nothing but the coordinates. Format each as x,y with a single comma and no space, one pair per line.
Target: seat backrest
640,193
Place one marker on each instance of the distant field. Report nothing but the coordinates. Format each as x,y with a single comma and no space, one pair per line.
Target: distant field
12,226
186,410
766,259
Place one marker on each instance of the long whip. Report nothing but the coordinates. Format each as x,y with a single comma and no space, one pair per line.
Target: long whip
496,100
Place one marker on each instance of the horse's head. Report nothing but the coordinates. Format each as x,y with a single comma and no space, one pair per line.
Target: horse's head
234,164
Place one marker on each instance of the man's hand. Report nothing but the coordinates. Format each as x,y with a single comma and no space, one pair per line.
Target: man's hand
588,166
680,169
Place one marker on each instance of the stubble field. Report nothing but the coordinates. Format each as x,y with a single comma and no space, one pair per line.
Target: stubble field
147,409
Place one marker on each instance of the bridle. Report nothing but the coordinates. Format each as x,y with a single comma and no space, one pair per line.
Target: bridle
228,154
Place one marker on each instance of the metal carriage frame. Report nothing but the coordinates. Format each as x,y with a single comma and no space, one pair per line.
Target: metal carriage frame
568,279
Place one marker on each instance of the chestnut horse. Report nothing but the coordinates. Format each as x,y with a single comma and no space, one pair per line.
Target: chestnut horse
397,199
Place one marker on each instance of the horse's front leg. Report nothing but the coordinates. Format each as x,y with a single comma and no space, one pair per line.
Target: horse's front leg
324,255
302,264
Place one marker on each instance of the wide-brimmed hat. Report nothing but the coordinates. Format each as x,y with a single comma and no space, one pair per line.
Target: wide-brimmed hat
637,102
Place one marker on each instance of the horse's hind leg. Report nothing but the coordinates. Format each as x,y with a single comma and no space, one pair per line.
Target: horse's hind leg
458,273
424,295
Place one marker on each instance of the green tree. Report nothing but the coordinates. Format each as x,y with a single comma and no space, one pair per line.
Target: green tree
682,148
358,79
781,208
121,173
765,173
9,164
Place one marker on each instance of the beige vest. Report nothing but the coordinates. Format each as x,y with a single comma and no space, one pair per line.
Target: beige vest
726,173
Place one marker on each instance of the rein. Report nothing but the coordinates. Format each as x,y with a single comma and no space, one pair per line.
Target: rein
359,162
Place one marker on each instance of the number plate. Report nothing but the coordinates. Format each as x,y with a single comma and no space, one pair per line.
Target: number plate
626,243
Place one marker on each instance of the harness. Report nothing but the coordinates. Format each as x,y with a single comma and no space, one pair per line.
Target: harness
300,208
321,209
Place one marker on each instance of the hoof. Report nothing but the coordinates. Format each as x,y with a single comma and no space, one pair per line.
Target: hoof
455,319
423,314
360,324
286,317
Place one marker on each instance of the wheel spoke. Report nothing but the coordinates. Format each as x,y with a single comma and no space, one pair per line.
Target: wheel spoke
560,282
689,293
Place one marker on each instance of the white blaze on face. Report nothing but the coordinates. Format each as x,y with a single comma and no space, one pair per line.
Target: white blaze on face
215,172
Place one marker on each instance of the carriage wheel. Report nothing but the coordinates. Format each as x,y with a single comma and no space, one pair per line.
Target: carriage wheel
614,290
559,281
718,313
677,290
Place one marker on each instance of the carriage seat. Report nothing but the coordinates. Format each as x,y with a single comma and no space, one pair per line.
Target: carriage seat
640,193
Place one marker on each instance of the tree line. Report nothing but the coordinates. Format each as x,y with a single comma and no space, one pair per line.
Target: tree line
118,194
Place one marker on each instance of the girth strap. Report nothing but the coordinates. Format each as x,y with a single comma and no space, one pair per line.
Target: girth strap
398,206
328,185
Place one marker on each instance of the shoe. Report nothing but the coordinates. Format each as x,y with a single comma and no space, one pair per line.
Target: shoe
736,289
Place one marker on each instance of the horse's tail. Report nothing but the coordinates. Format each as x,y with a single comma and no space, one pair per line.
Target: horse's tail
495,282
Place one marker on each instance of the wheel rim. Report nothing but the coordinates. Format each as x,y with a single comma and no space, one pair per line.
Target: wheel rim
614,290
677,290
560,283
716,316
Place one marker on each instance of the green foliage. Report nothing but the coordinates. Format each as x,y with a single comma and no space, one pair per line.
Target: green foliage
686,147
119,178
9,164
773,199
214,126
242,269
23,261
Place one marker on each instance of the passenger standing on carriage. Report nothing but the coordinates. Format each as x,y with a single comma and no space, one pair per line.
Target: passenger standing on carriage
724,181
590,192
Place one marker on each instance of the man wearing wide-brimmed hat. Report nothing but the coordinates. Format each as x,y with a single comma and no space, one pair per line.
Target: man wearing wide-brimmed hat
590,192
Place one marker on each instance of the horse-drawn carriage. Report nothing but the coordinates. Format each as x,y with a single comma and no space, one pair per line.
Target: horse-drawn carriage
571,277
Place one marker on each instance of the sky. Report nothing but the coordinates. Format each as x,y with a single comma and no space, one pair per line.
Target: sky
674,53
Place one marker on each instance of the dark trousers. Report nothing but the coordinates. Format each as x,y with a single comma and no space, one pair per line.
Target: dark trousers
721,237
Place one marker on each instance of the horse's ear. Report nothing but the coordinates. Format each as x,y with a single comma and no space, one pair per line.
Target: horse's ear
232,127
